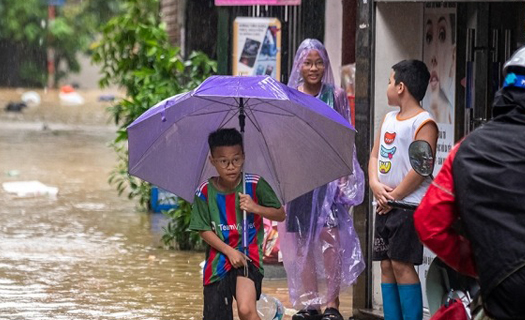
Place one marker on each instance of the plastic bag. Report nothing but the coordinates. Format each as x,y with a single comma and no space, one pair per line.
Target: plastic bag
269,308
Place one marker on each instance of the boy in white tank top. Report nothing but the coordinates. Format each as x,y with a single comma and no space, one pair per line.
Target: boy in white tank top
396,243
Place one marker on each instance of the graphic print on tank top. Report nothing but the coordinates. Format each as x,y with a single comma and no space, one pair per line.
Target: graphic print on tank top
387,153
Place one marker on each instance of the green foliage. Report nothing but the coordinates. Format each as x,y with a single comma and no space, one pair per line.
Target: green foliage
176,232
32,74
135,54
25,23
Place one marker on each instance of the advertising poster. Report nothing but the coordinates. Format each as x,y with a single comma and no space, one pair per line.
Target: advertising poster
257,47
257,2
439,54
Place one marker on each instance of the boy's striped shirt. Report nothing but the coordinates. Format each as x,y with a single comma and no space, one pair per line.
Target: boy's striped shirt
219,212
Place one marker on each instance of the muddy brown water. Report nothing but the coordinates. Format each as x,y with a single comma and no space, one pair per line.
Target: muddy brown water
86,253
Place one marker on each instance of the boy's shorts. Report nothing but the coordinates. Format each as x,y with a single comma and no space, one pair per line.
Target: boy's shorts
395,238
218,296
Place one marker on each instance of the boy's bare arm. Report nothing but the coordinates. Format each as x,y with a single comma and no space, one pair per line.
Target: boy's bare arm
380,191
246,203
237,258
429,133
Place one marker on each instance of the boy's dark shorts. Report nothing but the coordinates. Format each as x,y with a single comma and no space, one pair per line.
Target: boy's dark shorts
395,238
218,296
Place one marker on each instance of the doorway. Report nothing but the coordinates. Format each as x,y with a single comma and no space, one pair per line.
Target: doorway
488,32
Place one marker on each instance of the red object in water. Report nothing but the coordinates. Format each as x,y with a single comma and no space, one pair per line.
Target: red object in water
67,89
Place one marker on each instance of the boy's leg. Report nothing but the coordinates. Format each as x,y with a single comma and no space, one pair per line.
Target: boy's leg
387,272
411,301
389,292
405,252
246,297
217,301
404,272
409,289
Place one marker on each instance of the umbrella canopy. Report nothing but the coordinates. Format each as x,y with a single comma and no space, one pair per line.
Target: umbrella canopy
295,141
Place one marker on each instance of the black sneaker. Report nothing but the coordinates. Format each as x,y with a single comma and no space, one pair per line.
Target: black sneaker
307,314
332,314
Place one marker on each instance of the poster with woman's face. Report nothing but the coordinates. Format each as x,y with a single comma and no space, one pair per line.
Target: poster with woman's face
439,54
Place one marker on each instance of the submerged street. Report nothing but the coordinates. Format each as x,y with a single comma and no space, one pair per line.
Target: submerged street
86,253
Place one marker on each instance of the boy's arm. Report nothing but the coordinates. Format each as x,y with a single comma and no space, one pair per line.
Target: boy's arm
236,258
268,205
412,181
380,191
246,203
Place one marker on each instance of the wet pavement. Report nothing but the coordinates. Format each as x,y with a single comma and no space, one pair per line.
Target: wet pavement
86,253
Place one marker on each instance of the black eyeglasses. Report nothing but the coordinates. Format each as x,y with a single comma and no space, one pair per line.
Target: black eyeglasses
225,163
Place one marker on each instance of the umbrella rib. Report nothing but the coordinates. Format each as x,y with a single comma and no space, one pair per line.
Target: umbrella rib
275,106
223,122
230,107
216,101
270,112
251,117
207,113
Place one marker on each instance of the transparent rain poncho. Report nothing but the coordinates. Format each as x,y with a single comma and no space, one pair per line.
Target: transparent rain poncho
321,251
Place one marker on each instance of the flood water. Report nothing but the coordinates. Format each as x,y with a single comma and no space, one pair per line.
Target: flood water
86,253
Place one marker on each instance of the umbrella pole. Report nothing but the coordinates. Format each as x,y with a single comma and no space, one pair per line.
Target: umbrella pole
244,219
242,118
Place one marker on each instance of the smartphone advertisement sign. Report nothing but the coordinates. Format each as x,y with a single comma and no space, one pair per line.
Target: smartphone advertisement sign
257,47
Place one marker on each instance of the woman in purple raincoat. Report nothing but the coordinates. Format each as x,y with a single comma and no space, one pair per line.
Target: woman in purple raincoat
321,250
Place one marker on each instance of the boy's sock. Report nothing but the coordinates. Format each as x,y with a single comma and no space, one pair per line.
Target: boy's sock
411,301
391,302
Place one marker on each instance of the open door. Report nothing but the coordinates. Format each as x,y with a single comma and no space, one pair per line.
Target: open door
491,32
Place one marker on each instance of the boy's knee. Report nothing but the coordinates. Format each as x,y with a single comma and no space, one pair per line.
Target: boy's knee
386,267
401,268
247,312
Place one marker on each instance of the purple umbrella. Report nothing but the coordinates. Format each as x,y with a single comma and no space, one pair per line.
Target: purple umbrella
295,141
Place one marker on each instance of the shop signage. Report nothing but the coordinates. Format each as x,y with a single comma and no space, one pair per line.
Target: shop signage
257,2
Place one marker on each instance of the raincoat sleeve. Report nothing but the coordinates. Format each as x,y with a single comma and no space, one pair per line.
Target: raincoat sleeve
351,189
266,196
435,217
200,215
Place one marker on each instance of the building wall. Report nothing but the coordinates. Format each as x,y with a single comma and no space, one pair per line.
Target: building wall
89,74
333,35
399,35
172,12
